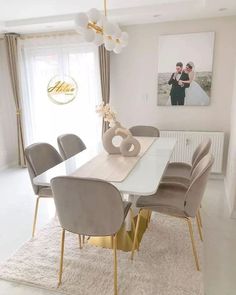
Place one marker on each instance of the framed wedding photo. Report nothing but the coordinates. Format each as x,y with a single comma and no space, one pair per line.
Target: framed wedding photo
185,63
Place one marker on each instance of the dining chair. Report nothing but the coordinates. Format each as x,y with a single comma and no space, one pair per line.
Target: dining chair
39,158
70,145
146,131
89,207
177,200
180,171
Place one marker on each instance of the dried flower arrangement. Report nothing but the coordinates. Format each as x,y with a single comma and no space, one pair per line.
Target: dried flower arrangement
107,113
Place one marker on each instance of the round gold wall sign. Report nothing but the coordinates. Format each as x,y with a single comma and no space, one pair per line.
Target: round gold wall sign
62,89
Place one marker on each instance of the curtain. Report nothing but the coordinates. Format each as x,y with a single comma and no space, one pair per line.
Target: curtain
41,59
11,40
104,62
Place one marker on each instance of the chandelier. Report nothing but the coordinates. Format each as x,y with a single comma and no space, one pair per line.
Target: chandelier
96,28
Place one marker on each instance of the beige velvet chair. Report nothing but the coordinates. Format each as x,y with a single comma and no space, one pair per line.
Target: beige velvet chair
146,131
177,200
181,172
70,145
89,207
39,158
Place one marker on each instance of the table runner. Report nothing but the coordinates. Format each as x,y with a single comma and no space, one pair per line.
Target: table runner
113,168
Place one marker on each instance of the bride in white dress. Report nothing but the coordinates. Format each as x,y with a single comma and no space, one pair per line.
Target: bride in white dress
194,95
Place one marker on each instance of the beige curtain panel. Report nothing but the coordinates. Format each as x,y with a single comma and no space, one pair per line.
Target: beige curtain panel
104,60
12,54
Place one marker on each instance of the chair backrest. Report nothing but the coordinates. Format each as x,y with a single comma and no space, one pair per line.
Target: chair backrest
70,145
87,206
39,158
202,150
198,184
146,131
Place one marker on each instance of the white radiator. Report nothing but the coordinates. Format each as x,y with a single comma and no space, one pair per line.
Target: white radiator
187,141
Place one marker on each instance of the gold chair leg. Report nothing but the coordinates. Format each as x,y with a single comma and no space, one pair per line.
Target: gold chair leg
112,242
133,224
193,242
115,264
80,242
62,256
135,235
132,218
199,217
199,227
35,215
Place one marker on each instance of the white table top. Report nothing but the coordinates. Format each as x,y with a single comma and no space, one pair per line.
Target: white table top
144,179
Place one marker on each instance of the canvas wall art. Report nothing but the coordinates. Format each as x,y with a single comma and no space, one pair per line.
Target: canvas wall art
185,69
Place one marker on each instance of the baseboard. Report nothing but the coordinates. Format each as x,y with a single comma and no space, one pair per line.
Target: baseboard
8,166
217,176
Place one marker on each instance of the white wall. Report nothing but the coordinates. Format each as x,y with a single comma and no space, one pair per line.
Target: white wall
230,179
8,138
134,78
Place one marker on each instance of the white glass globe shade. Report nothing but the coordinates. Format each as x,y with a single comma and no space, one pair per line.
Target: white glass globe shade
98,40
94,15
109,29
124,37
109,44
118,32
81,20
89,35
102,20
123,43
118,48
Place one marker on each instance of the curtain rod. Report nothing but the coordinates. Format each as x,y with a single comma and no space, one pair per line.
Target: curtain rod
48,34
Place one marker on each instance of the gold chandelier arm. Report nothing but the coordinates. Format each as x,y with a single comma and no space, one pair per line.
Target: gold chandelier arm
95,27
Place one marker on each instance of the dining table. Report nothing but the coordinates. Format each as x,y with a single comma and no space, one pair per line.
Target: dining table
140,179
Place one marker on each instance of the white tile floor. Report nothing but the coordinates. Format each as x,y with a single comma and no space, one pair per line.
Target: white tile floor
16,214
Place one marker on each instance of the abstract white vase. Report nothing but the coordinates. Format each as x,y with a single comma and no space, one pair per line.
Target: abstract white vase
129,147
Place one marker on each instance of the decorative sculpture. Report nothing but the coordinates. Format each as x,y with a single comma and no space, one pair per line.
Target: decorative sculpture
129,147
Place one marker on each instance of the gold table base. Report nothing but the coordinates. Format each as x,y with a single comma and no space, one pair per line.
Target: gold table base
124,238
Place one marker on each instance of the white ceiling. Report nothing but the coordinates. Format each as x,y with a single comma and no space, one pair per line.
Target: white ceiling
27,16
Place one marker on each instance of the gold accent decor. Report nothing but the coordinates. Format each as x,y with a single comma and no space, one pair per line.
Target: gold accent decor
62,256
136,235
62,89
199,227
124,238
115,264
187,219
199,216
35,215
96,28
193,242
100,30
105,7
113,240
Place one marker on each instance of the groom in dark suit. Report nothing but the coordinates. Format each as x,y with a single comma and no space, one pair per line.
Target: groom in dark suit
177,92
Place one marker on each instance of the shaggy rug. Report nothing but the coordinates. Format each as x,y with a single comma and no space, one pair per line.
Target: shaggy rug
163,266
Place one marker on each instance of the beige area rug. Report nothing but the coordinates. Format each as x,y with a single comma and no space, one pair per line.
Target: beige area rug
163,266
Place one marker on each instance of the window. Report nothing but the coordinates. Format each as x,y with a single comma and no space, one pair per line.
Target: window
44,120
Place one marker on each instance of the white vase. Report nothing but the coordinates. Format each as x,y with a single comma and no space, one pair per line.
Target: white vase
108,137
129,147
